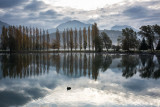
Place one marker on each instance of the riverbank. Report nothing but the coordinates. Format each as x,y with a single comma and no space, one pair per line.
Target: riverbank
82,51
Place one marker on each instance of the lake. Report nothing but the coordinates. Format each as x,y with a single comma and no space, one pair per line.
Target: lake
105,80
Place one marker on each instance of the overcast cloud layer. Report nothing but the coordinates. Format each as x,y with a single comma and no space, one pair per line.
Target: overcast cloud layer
50,13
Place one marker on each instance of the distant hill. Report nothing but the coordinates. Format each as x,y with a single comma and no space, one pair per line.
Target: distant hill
120,27
111,33
70,24
3,24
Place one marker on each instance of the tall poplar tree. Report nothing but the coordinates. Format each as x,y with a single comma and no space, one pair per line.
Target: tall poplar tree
27,38
34,32
84,38
4,38
57,39
75,39
80,39
31,36
40,37
71,39
89,37
19,38
44,39
37,38
93,37
64,40
24,38
48,40
67,39
11,39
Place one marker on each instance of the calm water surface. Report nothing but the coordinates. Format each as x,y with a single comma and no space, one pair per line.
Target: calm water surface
106,80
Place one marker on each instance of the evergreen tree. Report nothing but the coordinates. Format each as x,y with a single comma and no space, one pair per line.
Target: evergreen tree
143,45
148,33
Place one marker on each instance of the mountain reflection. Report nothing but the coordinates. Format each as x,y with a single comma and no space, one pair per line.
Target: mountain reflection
78,64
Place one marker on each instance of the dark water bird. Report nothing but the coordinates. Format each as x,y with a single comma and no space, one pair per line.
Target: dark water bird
68,88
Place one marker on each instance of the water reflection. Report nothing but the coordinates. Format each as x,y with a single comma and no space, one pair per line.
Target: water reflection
129,65
96,80
21,66
78,64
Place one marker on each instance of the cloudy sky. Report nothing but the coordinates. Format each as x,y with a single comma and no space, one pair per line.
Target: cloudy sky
107,13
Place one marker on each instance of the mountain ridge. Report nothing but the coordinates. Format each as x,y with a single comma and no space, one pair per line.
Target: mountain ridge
70,24
3,24
120,27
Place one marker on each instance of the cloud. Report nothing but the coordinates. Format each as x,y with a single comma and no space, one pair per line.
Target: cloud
38,13
139,12
10,3
136,12
49,13
35,6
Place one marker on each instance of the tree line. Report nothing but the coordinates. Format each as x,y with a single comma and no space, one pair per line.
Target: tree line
94,40
79,39
149,35
24,39
21,38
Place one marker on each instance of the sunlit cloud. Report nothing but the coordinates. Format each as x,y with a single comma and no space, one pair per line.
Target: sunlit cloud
107,13
82,4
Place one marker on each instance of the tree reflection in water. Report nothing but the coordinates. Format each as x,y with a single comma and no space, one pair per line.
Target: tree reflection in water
129,65
78,64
